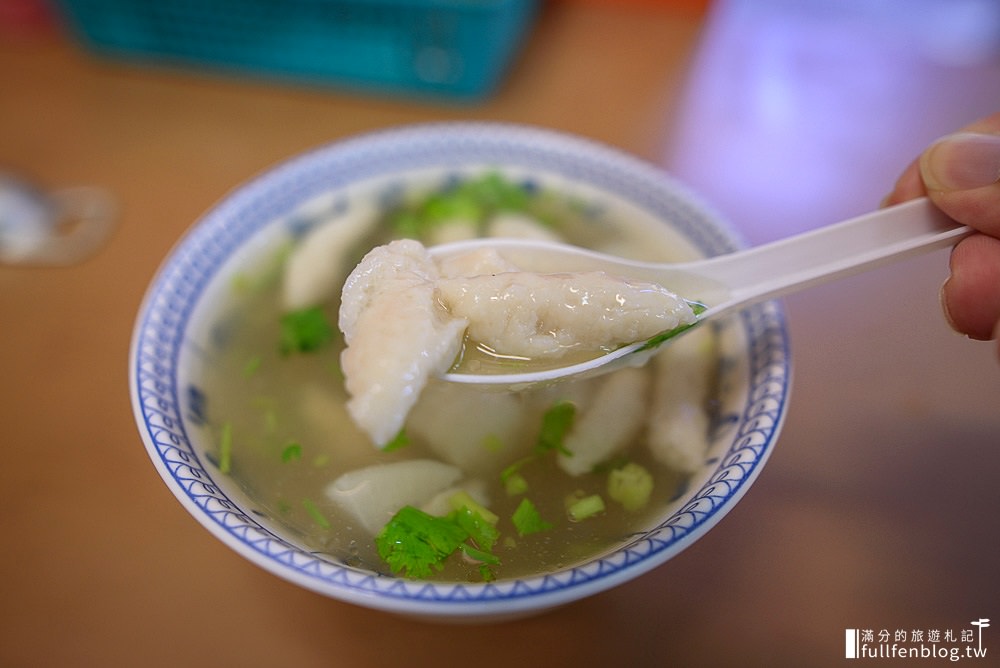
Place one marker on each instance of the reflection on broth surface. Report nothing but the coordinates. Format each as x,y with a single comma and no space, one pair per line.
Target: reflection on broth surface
534,480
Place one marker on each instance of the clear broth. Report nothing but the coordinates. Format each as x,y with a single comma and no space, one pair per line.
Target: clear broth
291,435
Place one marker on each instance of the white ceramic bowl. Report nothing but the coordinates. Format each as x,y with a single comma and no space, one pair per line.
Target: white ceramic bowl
173,329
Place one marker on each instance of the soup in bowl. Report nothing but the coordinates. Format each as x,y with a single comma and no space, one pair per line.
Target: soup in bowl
415,495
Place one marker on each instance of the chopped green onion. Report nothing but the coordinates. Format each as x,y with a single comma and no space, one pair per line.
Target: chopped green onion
315,514
268,412
291,452
514,469
479,555
515,483
493,443
267,272
305,330
556,423
486,573
270,420
587,506
478,528
462,499
400,440
631,486
697,307
251,367
226,448
407,224
527,520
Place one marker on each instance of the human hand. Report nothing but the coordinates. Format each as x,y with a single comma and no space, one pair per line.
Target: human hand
961,175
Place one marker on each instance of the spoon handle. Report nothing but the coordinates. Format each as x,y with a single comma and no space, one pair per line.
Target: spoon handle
865,242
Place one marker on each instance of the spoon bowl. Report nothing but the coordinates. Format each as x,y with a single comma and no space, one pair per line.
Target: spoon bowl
728,282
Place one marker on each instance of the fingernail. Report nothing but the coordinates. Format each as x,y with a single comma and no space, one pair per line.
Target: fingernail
962,161
943,299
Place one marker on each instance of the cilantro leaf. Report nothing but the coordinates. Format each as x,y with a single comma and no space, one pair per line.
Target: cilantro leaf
496,193
472,201
417,543
305,330
478,527
556,423
291,452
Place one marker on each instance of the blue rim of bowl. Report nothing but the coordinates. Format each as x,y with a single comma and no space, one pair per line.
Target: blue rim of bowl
161,325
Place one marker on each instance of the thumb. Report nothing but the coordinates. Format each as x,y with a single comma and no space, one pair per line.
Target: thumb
962,161
962,175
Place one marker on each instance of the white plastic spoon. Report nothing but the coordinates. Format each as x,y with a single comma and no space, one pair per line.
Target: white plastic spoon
727,282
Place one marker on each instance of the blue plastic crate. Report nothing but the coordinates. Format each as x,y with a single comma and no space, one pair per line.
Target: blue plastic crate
457,48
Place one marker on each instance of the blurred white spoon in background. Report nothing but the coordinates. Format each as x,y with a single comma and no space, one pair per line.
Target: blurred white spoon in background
52,228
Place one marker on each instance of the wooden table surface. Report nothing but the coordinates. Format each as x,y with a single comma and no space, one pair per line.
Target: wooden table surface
877,510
